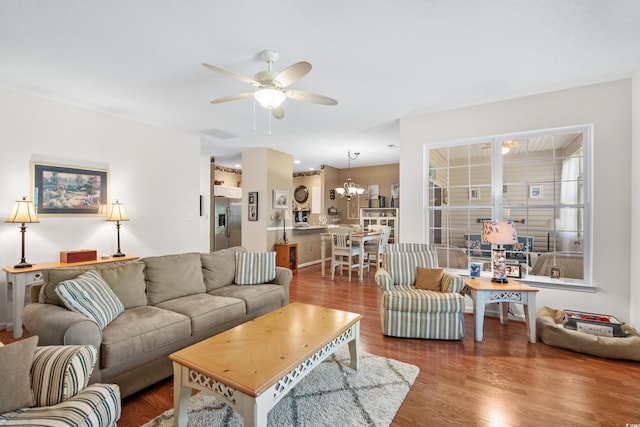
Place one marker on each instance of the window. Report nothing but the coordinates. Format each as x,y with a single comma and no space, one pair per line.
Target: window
540,180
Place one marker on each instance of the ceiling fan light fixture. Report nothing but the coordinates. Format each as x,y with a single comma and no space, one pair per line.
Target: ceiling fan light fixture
270,98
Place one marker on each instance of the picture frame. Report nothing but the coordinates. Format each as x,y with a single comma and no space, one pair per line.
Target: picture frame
65,190
395,191
252,204
475,269
373,191
513,270
474,193
280,199
535,191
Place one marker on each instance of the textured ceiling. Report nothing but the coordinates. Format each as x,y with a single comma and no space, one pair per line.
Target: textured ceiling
382,60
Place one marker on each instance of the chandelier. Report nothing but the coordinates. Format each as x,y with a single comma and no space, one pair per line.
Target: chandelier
350,189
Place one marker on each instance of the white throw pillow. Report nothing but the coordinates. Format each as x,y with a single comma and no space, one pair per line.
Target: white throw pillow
253,268
90,295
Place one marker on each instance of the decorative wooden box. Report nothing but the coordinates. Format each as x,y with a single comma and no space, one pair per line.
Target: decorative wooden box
79,255
591,323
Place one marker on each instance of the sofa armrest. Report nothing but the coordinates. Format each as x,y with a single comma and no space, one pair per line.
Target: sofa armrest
283,278
452,282
384,280
57,325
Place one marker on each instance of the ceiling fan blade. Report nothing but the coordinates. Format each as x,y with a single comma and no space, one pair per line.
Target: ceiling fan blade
299,95
232,74
293,73
232,97
278,113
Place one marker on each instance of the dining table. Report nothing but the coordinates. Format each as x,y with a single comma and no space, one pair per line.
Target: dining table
359,238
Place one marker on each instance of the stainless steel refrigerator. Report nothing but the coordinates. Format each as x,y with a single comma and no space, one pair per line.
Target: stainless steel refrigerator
227,222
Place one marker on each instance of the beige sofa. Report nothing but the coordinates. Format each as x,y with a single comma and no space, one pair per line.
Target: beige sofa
169,302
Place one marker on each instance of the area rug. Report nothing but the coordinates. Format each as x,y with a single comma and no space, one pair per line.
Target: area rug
332,394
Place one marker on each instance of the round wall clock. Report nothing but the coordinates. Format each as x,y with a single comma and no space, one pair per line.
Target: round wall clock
301,194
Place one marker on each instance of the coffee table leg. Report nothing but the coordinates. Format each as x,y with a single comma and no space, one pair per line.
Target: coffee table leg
181,396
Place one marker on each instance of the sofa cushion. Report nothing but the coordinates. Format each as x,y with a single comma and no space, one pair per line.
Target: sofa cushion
255,267
141,330
402,265
127,282
255,297
429,278
15,360
60,372
173,276
90,295
219,267
206,311
410,299
52,278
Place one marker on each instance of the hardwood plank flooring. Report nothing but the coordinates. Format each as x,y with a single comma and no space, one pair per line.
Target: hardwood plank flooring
502,381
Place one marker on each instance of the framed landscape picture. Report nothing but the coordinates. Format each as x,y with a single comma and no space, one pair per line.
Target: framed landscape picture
68,190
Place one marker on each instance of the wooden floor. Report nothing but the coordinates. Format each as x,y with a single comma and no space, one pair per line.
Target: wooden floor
502,381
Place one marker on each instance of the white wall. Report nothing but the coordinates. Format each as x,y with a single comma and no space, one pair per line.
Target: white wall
153,171
634,298
608,107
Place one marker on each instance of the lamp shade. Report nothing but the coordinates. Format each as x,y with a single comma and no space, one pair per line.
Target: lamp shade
499,233
270,98
284,215
117,212
23,212
552,225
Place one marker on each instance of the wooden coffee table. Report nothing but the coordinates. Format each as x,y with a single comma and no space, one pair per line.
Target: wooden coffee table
483,291
254,365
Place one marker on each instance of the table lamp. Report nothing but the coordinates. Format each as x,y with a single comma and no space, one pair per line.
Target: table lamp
284,215
117,214
552,226
499,233
23,213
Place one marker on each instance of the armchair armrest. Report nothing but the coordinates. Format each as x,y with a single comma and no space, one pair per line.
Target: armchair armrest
384,280
60,372
452,282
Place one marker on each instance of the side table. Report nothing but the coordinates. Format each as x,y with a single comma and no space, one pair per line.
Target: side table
287,256
20,278
482,291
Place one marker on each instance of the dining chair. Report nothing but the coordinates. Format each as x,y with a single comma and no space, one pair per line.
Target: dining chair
374,251
344,253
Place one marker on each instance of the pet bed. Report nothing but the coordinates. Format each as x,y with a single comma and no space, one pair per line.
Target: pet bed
551,331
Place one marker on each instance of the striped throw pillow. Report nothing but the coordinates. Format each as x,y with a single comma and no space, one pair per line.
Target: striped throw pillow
253,268
60,372
90,295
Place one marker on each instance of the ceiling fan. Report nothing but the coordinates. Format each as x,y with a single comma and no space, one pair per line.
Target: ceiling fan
506,146
270,86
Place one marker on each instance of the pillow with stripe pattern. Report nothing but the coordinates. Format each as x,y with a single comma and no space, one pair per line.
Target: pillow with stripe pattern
253,268
90,295
60,372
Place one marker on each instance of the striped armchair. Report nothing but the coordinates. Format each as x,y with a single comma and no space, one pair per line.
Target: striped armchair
419,313
61,396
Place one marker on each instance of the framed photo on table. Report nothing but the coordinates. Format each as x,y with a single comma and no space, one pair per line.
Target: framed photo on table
513,270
